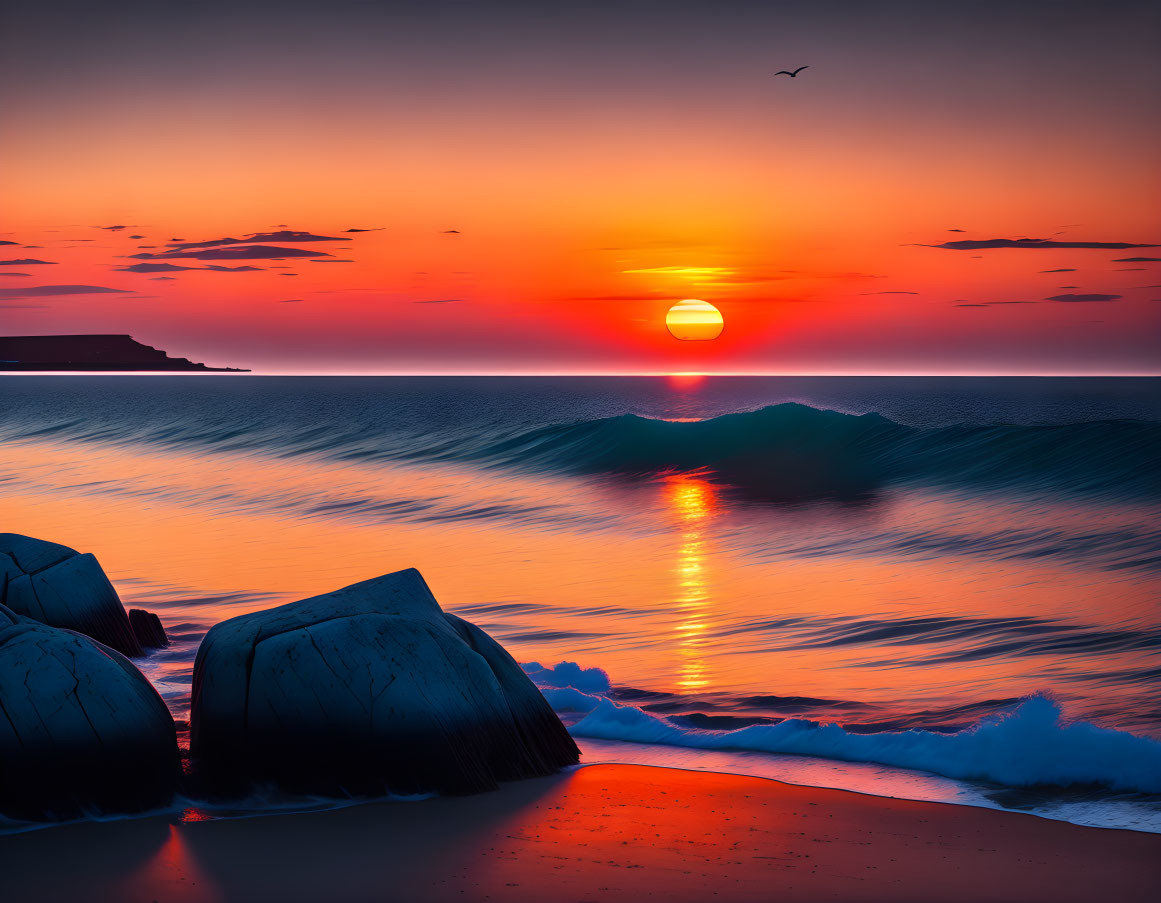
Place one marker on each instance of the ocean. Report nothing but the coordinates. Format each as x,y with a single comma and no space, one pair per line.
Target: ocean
930,588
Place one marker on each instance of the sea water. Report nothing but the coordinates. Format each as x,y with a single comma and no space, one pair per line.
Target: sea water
929,588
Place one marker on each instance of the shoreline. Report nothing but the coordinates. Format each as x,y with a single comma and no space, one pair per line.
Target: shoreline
861,778
599,832
189,810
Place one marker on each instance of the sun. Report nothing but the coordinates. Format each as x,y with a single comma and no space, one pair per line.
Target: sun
694,321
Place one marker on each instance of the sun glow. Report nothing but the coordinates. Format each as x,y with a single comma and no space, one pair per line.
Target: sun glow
694,321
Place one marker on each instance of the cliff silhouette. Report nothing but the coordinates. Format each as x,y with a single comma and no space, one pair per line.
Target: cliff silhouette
91,352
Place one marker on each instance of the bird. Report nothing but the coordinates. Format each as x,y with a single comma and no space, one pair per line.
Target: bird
791,74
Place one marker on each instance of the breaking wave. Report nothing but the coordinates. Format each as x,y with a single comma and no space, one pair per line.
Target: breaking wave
1028,745
784,451
795,451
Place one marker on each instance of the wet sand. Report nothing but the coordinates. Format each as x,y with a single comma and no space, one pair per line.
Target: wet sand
603,833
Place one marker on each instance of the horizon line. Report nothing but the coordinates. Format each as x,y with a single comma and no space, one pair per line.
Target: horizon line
575,374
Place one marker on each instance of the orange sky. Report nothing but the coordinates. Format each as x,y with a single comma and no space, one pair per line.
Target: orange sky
596,169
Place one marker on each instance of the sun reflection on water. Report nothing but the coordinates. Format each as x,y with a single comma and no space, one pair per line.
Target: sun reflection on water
693,502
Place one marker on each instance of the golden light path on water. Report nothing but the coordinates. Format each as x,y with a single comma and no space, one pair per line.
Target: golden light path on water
692,502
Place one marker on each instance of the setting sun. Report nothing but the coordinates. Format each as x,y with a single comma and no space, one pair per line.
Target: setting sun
694,321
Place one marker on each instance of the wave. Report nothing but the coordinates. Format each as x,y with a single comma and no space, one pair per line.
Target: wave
786,451
1027,745
568,675
791,451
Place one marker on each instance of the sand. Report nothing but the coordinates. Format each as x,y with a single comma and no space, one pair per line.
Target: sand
603,833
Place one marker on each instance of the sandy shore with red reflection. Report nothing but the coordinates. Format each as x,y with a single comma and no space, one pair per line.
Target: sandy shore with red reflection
603,833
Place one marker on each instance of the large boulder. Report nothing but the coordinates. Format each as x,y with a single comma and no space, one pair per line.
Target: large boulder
367,690
58,586
81,730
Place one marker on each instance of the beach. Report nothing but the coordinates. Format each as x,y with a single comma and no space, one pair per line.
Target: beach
604,832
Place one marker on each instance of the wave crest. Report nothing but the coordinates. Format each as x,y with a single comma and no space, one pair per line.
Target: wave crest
1029,746
793,451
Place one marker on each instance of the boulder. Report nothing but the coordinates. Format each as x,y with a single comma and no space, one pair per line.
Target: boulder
81,730
148,629
57,586
366,690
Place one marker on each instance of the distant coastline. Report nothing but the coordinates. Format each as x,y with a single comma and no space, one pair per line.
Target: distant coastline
92,352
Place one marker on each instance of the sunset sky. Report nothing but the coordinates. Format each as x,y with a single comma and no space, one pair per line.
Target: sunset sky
540,182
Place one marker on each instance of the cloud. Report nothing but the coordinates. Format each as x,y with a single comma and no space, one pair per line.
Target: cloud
699,272
975,245
377,229
136,237
1130,270
990,303
1061,270
26,261
1088,297
47,291
955,230
154,268
256,238
287,274
767,299
1137,260
291,301
443,301
163,279
640,296
334,260
237,252
726,275
889,293
175,268
450,232
731,276
112,228
13,275
9,242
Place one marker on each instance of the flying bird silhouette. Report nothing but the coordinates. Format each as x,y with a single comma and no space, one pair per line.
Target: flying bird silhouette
791,74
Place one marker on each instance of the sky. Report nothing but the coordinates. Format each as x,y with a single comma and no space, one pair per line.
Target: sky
528,187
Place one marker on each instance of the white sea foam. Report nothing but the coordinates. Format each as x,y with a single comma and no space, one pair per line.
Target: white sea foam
1029,746
568,674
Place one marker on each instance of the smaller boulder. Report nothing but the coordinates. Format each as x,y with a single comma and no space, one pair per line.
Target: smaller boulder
82,732
148,629
60,587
